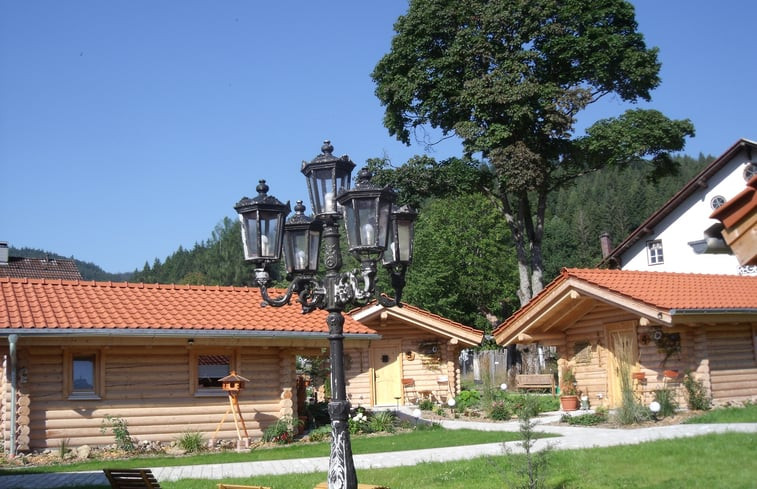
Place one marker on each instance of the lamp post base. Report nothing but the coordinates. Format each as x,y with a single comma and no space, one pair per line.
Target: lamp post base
341,466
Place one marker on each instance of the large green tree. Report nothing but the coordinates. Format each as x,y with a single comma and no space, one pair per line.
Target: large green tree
508,78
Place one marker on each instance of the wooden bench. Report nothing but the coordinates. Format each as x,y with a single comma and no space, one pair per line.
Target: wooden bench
131,479
535,381
325,485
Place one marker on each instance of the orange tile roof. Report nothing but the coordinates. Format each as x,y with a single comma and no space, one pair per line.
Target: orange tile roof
665,292
40,304
669,290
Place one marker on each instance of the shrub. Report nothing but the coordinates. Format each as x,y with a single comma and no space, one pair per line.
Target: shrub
191,441
322,433
631,411
382,421
666,399
120,429
695,393
358,423
426,405
281,432
588,419
467,399
500,411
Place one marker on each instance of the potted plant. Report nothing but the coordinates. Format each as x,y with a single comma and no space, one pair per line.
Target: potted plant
568,392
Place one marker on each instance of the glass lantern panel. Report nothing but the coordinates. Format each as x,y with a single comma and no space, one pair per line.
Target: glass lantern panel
249,235
351,225
324,192
404,233
366,221
384,223
269,230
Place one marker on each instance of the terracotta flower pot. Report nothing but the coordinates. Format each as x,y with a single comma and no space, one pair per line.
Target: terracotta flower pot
569,403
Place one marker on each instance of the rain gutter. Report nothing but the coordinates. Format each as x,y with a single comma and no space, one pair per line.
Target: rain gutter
183,333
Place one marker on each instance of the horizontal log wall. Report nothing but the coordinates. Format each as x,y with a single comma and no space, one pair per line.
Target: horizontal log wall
732,362
417,362
150,388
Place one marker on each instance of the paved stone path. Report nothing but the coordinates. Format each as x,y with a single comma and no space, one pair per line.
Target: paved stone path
572,438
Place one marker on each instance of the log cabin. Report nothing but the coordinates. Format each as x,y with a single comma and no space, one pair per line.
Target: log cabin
652,327
77,352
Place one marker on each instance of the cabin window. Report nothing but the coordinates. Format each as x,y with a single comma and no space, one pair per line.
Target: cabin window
83,376
654,252
210,368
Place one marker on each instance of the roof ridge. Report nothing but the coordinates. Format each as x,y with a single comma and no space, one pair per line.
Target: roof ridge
112,284
574,271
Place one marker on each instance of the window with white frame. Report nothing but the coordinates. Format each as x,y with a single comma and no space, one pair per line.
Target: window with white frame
654,252
209,368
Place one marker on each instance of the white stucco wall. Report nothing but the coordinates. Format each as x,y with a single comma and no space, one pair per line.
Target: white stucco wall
687,223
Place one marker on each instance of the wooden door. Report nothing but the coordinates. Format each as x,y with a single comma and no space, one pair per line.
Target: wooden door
624,354
387,385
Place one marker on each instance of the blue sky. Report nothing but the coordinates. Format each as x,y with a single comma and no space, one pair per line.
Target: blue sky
130,128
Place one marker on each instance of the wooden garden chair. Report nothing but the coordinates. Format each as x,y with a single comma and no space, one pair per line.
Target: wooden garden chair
131,479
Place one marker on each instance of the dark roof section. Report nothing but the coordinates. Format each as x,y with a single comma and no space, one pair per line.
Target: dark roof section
58,268
696,183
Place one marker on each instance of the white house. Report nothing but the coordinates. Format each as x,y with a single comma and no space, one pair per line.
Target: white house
681,236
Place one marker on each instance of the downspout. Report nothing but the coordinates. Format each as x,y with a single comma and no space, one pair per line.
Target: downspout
12,339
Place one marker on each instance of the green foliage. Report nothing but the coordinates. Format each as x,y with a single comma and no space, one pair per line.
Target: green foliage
631,410
667,401
358,423
217,261
426,405
696,393
280,432
588,419
510,84
383,422
730,414
322,433
464,267
191,441
467,399
120,429
534,466
500,411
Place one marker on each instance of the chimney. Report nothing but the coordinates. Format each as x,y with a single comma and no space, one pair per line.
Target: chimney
605,244
3,252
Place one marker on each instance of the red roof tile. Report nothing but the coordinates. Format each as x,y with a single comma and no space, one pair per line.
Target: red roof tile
669,290
76,305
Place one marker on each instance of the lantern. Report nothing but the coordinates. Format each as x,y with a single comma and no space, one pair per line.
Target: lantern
327,177
399,251
366,209
302,242
262,221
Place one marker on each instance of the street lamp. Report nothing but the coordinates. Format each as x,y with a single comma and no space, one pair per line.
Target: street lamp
376,229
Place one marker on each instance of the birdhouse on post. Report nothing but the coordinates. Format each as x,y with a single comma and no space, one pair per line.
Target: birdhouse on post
233,383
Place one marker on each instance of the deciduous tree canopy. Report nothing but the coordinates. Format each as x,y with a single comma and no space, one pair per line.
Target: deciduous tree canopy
508,78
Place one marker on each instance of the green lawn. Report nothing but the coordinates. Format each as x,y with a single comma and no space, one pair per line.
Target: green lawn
710,461
745,414
417,439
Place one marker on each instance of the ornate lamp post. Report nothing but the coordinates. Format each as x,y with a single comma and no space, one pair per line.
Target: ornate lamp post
376,231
